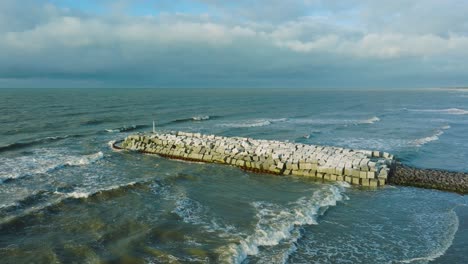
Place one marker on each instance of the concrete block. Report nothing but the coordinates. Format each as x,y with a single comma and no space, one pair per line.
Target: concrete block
356,181
363,174
356,173
382,182
365,182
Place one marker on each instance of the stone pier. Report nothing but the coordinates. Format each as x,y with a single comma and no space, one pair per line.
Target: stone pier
358,167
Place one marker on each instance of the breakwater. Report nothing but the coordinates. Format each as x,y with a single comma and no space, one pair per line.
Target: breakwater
358,167
430,178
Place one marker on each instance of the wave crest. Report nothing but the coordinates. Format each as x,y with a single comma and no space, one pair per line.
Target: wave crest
450,111
254,123
434,137
22,144
279,223
43,161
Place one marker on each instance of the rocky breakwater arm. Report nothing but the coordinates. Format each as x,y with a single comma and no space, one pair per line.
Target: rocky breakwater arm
430,178
359,167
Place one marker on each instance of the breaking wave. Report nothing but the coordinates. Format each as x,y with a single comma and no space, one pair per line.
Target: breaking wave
193,212
197,118
278,223
434,137
43,161
126,128
254,123
371,120
450,111
42,200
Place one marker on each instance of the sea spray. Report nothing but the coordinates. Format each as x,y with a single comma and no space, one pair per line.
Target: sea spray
277,223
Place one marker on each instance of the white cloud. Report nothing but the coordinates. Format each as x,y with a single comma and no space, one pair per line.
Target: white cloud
355,34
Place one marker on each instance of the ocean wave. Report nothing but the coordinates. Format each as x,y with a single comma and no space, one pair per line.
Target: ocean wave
196,118
442,247
279,223
43,161
450,111
254,123
331,121
42,200
200,118
126,128
371,120
81,193
189,210
22,144
193,212
434,137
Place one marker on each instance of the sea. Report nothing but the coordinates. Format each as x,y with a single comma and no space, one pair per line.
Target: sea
67,197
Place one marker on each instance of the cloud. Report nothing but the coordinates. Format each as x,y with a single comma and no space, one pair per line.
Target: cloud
286,43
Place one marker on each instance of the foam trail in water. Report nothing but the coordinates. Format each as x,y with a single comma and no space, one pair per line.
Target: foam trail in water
450,111
43,161
41,200
277,223
444,246
371,120
422,141
200,118
254,123
126,128
193,212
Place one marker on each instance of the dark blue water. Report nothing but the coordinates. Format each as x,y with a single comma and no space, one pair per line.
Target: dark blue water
65,196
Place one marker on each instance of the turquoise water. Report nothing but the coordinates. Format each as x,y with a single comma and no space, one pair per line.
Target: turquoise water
66,197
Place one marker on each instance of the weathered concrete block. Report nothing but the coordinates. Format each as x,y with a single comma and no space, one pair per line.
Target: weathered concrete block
363,174
365,182
356,181
381,182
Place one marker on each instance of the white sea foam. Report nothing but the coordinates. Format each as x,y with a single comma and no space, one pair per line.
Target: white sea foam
83,193
434,137
331,121
193,212
253,123
43,161
78,195
200,118
450,111
444,245
277,223
370,120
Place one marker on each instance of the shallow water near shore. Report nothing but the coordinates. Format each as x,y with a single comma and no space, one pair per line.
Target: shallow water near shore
65,196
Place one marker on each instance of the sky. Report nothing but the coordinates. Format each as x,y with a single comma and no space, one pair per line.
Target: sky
234,44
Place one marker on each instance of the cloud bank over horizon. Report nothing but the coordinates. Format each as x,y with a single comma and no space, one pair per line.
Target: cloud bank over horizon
246,43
